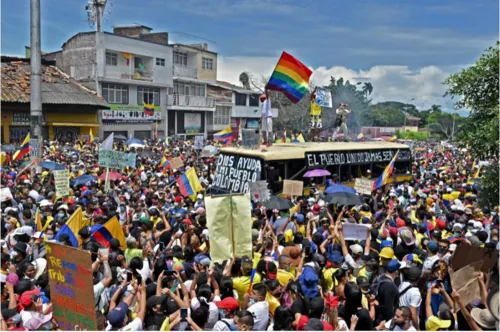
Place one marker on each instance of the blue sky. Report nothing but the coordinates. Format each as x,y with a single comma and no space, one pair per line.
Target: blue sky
405,48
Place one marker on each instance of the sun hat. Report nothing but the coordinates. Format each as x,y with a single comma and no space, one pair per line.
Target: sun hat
407,235
483,317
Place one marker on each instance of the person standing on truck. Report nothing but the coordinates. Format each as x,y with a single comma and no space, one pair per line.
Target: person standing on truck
340,122
267,119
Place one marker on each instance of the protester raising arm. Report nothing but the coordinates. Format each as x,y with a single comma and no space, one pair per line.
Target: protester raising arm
213,281
472,323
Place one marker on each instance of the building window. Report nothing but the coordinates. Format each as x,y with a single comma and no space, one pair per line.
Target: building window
222,115
180,59
254,100
148,95
111,59
189,89
241,99
115,93
207,64
160,62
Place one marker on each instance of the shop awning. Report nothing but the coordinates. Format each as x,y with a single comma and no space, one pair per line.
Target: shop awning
68,124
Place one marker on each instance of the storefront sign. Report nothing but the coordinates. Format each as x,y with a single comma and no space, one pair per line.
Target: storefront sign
23,118
127,113
192,123
71,287
363,186
61,178
315,159
116,159
235,172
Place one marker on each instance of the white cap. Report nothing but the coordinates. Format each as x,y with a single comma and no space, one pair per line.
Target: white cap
63,206
199,196
45,202
24,230
449,190
478,225
356,249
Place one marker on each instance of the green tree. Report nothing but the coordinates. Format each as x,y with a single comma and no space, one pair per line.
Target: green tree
476,88
445,124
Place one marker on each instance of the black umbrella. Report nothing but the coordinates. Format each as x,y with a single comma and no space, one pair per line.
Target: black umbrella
10,148
343,198
276,202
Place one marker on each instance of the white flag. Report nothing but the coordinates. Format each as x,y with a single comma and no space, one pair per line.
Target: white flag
108,143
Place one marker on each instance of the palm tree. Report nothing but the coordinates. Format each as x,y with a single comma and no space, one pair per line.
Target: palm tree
245,80
436,109
367,88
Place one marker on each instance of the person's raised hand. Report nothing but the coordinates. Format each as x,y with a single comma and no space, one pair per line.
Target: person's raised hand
381,326
9,286
354,320
455,295
39,305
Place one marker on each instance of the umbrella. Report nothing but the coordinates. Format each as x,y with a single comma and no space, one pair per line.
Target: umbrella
134,140
279,203
137,146
147,154
120,138
317,173
10,148
79,181
68,147
339,188
209,150
112,176
51,165
343,199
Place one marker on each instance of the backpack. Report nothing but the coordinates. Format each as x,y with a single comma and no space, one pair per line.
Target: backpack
377,283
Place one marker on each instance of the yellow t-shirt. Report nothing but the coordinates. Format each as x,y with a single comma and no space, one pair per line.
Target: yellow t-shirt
241,284
329,278
155,220
273,303
284,277
315,109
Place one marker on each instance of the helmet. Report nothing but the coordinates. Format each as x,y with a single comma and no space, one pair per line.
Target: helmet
387,253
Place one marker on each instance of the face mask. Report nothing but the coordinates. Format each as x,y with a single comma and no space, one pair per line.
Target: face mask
366,292
493,213
122,208
368,274
222,314
16,319
442,249
232,327
50,237
252,301
7,226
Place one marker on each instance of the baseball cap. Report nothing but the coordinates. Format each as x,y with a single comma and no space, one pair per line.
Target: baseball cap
117,315
26,298
335,257
434,323
393,265
356,249
315,209
432,246
155,300
229,303
362,282
414,273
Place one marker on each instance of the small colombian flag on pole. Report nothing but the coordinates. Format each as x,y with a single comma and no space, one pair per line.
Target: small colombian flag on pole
25,149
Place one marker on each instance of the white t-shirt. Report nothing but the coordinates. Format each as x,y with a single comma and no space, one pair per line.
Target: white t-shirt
397,328
221,326
135,325
411,298
213,311
261,312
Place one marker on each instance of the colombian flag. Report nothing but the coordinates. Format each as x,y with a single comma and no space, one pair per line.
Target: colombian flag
149,109
164,163
189,184
299,139
382,179
72,227
392,139
225,135
91,136
361,137
105,233
25,149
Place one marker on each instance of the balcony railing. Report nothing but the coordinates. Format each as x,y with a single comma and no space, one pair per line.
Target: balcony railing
181,71
192,101
129,73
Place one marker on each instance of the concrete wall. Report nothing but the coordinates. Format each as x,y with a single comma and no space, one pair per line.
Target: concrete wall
207,75
78,58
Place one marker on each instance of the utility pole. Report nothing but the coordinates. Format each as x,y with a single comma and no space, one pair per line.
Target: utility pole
99,8
36,114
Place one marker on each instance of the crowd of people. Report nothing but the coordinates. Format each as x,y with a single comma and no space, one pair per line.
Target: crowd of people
303,274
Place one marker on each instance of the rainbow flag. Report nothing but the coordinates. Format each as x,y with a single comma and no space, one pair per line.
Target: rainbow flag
189,184
149,109
72,227
382,179
225,135
290,77
105,233
25,149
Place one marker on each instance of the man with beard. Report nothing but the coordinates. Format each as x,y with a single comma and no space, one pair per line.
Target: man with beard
401,321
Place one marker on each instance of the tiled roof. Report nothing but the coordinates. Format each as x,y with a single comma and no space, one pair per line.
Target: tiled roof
57,87
411,117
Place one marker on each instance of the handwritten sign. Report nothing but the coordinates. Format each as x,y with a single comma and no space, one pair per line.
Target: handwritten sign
235,172
61,179
293,188
259,191
198,142
363,186
177,163
465,281
466,254
116,159
250,138
71,287
355,231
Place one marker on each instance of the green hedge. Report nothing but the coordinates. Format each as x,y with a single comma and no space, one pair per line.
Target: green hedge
416,136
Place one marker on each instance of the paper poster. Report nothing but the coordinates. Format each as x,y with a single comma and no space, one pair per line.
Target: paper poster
235,172
177,163
323,97
466,254
355,231
116,159
363,186
259,191
465,281
293,188
229,224
250,138
61,179
71,287
198,142
5,194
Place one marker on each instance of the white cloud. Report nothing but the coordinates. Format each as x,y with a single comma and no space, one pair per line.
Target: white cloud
391,83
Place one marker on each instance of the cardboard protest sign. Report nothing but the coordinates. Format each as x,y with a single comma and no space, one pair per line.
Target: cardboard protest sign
229,225
116,159
465,281
323,97
355,231
293,188
61,179
5,194
250,138
198,142
466,254
71,287
177,163
259,191
235,172
363,186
